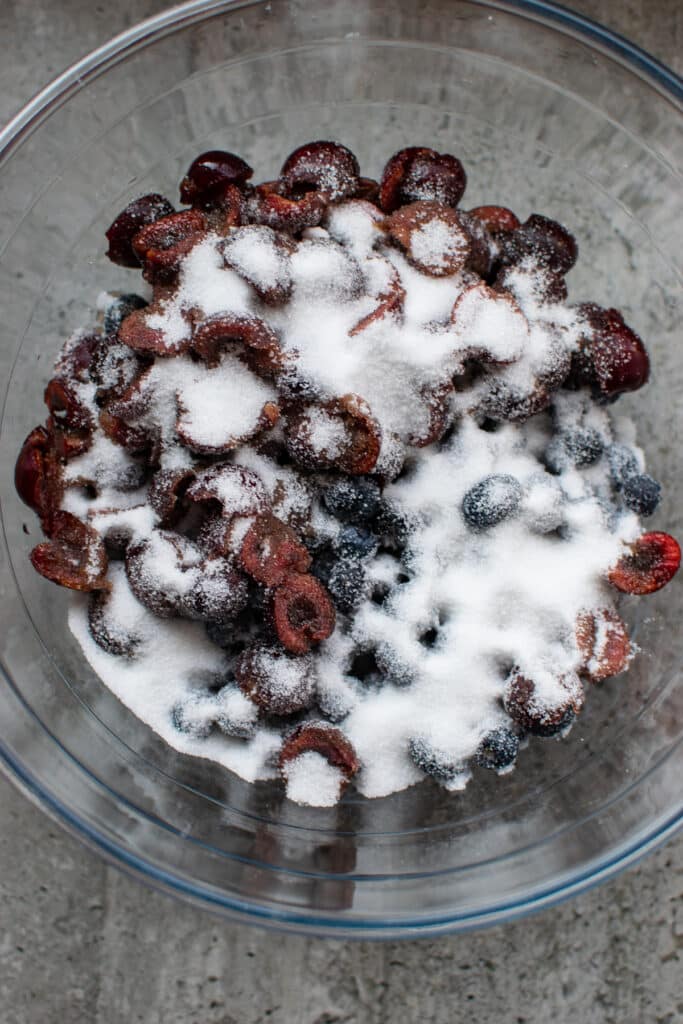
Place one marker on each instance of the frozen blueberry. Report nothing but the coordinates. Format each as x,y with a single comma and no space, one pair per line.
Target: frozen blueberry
347,584
391,524
434,762
354,541
584,446
194,716
641,493
392,667
236,715
580,447
119,309
353,500
323,563
622,463
492,500
497,750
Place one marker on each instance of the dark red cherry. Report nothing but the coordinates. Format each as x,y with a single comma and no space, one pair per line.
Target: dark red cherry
542,240
209,172
30,471
649,563
303,613
418,173
321,167
136,216
614,359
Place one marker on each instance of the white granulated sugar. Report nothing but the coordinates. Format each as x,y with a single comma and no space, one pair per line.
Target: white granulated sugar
425,655
435,243
225,483
221,405
105,463
285,675
253,253
169,318
313,781
326,434
323,268
490,324
356,225
287,493
206,284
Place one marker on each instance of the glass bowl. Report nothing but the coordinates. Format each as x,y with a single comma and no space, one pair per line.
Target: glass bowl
548,113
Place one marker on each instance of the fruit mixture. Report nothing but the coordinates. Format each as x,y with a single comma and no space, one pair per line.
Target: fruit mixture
344,491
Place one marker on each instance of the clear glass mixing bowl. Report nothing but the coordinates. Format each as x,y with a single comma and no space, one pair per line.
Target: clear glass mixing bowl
548,113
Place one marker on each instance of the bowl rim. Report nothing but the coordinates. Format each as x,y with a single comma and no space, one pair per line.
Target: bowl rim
594,872
78,74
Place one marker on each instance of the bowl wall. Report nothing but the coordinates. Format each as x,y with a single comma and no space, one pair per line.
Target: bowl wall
545,119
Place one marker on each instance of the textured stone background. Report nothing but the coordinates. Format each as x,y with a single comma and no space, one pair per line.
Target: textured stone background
80,942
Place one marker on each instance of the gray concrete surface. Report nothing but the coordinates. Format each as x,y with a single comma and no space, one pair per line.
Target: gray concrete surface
80,942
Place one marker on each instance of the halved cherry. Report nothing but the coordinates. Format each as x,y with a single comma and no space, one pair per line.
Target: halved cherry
271,550
340,434
437,402
166,493
106,631
74,557
235,489
418,173
30,471
603,642
303,612
66,407
322,739
261,346
129,222
648,565
497,219
612,357
542,240
537,716
209,173
137,334
75,360
161,246
261,256
321,167
433,236
279,683
269,206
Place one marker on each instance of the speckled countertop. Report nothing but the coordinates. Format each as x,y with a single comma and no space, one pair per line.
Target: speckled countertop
80,942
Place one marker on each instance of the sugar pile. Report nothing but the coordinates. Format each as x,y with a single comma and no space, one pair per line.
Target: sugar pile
442,616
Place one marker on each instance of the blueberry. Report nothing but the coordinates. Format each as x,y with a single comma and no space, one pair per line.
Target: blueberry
580,447
391,524
353,500
584,446
334,705
497,750
347,584
642,493
555,456
193,718
492,500
434,762
622,463
323,563
354,541
391,666
235,714
119,309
